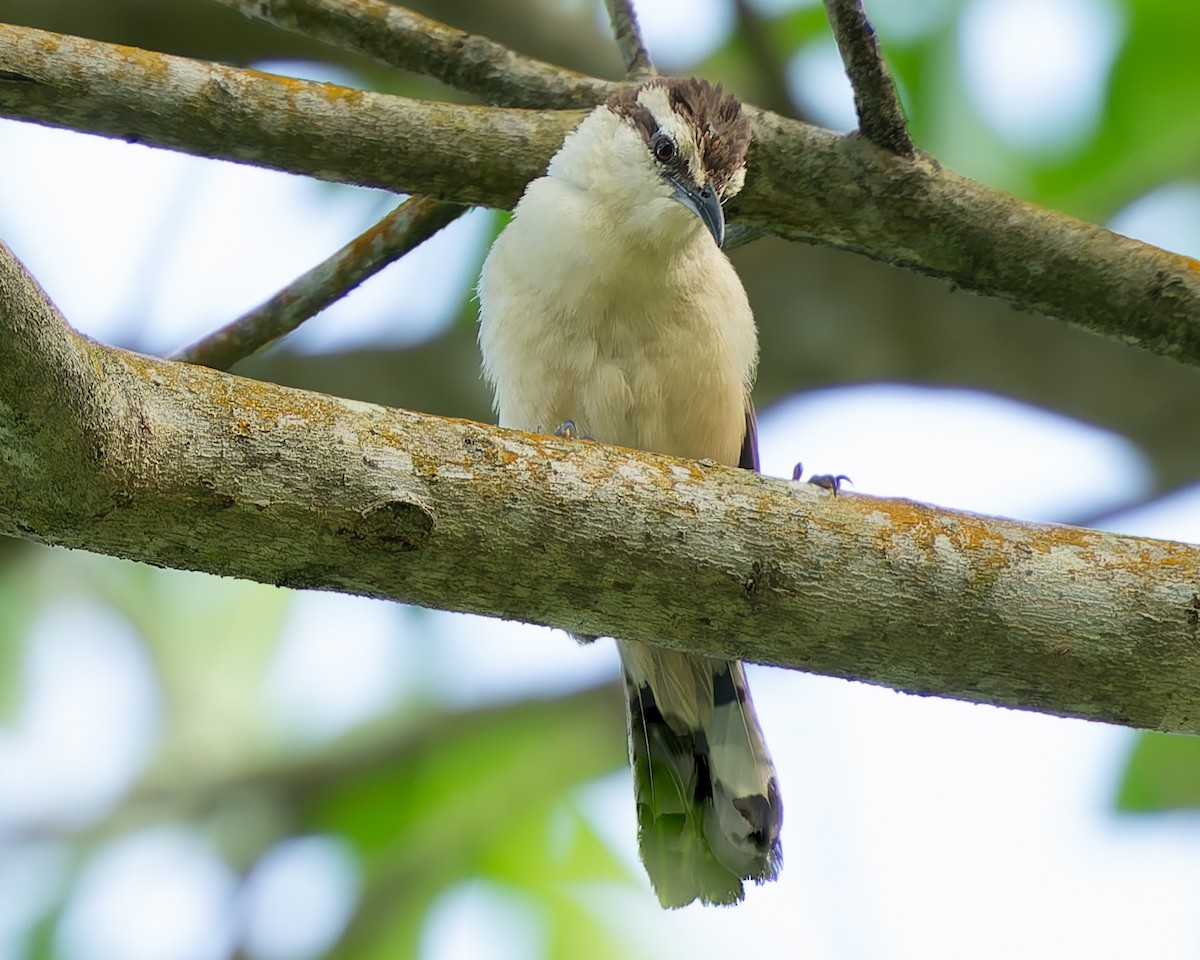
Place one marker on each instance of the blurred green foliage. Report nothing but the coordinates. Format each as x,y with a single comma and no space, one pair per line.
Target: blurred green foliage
426,796
1162,775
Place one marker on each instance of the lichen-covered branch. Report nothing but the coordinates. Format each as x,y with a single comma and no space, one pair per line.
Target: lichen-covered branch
804,183
320,129
402,38
186,467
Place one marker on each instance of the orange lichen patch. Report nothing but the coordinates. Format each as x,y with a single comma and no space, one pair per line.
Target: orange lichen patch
48,42
293,88
1175,260
987,545
150,65
1043,539
255,401
905,519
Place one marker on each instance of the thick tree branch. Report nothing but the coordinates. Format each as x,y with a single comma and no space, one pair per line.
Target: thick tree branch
406,227
323,130
401,38
186,467
805,184
50,404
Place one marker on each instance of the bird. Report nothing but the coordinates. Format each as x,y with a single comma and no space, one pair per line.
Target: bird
608,310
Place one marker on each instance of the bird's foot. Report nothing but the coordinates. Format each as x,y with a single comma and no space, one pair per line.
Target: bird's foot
568,431
826,481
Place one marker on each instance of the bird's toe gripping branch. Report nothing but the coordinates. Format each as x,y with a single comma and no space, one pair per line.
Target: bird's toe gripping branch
826,481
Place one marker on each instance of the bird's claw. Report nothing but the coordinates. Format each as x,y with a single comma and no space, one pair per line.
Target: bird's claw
829,481
826,481
568,431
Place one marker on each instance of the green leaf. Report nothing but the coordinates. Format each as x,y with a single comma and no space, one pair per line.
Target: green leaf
1163,773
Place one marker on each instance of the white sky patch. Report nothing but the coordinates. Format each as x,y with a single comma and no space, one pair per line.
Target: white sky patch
82,213
87,720
155,895
817,82
156,249
1168,217
410,300
954,448
298,899
676,34
911,824
481,921
919,794
341,660
1176,517
1036,69
481,660
906,20
31,874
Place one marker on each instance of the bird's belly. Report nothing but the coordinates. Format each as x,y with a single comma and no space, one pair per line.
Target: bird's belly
652,385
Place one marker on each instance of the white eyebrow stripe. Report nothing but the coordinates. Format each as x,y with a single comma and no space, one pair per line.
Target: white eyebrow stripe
656,100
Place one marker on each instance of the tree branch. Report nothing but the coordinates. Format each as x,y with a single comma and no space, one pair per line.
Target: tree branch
406,227
628,36
401,38
319,129
805,184
880,116
190,468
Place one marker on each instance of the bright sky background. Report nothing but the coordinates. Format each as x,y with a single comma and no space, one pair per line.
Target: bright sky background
915,827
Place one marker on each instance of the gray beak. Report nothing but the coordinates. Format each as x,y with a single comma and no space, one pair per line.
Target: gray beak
704,203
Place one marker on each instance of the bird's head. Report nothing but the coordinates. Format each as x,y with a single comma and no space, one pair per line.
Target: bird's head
665,155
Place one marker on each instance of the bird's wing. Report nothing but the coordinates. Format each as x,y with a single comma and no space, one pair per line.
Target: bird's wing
749,458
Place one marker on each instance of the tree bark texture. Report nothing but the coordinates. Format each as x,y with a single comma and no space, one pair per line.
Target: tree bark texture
186,467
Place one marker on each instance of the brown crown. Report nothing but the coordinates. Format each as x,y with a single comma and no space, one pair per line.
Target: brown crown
723,131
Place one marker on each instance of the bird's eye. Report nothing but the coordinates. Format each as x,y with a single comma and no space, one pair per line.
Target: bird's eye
664,149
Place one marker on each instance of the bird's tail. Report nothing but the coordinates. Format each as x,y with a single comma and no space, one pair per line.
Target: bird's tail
707,797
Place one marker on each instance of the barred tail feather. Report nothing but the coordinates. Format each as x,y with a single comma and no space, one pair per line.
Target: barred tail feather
708,801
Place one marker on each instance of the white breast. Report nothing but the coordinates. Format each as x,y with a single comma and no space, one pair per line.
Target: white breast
642,339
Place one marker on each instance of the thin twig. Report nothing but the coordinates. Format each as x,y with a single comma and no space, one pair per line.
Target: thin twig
628,35
406,227
880,116
401,38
